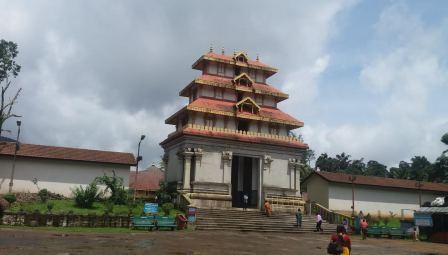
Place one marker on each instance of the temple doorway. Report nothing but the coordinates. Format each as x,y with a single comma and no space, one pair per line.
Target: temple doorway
245,180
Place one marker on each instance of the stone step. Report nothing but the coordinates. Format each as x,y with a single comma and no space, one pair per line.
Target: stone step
261,229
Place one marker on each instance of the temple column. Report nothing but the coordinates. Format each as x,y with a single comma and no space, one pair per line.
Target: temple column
294,166
187,154
227,168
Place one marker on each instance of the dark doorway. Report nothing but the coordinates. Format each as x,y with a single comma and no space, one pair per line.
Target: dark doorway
243,181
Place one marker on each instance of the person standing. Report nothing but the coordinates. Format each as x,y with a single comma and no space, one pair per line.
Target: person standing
319,223
299,218
267,208
345,224
364,226
245,202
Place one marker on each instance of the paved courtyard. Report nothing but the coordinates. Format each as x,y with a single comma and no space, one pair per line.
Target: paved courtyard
28,241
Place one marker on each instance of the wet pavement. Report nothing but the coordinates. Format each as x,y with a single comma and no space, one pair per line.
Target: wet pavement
29,241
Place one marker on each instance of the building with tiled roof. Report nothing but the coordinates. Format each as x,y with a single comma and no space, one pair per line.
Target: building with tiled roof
147,182
58,169
370,194
231,138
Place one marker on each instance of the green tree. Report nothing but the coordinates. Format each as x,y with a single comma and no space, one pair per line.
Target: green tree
342,162
8,69
444,140
402,171
439,169
326,163
420,167
374,168
114,183
357,167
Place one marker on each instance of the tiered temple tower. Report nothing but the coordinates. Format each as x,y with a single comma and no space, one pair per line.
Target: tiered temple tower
231,139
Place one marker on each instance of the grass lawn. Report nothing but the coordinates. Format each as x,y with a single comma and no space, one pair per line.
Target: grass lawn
77,229
65,206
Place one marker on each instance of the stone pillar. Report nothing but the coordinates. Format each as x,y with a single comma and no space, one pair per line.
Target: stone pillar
187,154
227,168
294,166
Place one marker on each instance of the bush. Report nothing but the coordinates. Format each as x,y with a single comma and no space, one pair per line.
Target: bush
114,183
84,198
108,207
50,206
44,195
11,198
167,207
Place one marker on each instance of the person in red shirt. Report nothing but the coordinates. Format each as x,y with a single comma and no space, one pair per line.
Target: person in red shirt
342,241
364,226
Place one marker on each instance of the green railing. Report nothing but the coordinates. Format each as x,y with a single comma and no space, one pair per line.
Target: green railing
328,215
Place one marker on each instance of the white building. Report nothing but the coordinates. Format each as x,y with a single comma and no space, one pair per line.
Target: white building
58,169
232,139
374,195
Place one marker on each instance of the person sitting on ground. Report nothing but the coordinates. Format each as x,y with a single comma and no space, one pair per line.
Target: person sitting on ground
299,218
319,223
364,225
267,208
340,243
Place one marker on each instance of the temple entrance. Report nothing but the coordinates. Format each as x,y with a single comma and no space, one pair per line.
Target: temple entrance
245,180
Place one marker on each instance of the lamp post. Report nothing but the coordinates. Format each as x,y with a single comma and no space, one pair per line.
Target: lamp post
352,179
11,180
419,186
138,160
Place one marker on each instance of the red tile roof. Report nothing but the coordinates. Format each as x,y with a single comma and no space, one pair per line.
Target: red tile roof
148,179
380,181
221,81
228,108
229,59
235,137
65,153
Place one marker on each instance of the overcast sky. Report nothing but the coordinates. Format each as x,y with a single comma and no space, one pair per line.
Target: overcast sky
369,78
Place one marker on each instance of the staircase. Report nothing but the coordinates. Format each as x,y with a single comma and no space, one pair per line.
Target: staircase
254,220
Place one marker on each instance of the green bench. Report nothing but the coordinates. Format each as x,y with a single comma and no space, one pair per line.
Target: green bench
145,222
165,222
374,231
398,232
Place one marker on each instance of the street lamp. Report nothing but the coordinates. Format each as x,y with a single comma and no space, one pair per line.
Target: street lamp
352,179
139,158
11,180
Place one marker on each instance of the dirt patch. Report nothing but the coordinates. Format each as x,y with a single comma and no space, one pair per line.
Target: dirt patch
28,241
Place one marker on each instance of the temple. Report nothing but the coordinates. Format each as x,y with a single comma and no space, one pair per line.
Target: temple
231,139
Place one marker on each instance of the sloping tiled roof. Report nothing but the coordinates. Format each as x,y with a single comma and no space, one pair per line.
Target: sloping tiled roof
227,108
148,179
381,181
235,137
229,59
226,82
65,153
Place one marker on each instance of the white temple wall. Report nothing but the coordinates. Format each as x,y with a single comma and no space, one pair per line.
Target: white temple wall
229,95
253,126
264,127
283,131
212,68
210,169
229,72
259,76
277,174
219,123
206,91
174,168
198,118
269,101
231,123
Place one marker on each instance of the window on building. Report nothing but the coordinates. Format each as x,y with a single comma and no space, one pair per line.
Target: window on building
221,68
209,121
243,125
219,93
274,129
252,74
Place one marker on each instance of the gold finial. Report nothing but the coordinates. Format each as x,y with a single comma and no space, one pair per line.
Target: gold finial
222,51
211,48
234,52
258,57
